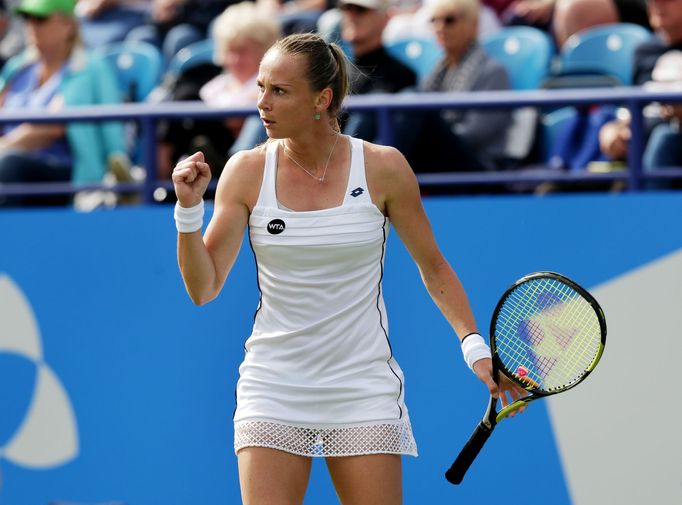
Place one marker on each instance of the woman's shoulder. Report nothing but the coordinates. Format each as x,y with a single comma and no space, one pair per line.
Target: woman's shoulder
83,60
89,66
379,151
388,173
384,161
491,75
16,64
245,168
250,158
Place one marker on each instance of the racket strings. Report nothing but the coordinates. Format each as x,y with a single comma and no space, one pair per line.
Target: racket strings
547,334
548,338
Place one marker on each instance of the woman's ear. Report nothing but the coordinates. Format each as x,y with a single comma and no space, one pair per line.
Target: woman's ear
324,100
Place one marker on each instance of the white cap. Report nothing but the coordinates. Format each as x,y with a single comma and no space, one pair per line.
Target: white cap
378,5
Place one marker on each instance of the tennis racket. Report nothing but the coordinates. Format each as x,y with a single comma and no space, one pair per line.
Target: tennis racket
547,334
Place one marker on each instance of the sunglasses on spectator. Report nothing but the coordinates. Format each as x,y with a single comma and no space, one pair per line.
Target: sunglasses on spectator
355,9
33,18
446,20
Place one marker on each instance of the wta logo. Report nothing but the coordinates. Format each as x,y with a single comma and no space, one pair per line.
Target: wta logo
276,226
37,426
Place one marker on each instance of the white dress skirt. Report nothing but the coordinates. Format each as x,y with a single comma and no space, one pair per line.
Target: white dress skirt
319,377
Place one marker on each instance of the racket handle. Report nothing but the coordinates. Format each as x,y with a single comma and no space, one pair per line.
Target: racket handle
468,454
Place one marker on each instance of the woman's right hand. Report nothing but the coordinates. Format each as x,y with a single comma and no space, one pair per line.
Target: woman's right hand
190,179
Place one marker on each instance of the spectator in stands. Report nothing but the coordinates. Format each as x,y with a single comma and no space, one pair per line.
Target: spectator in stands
560,17
174,24
375,71
572,16
55,71
665,17
458,140
566,17
241,34
414,20
576,147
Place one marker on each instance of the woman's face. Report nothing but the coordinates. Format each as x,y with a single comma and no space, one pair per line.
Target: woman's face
242,57
454,30
286,102
49,34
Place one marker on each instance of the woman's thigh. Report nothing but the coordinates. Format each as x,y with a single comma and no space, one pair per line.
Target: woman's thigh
272,477
375,479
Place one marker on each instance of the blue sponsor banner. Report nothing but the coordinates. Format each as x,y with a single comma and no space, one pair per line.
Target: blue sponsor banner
114,387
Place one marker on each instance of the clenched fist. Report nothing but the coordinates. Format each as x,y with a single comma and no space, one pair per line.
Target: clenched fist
190,179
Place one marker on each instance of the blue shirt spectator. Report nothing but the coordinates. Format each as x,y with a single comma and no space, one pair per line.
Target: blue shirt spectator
53,72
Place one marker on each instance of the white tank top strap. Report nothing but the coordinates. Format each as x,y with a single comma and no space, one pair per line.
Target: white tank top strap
268,196
357,192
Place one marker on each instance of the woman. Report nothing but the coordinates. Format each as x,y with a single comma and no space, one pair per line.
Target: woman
318,378
462,139
53,72
241,35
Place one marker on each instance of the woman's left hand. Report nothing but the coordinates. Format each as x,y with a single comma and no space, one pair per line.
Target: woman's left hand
507,391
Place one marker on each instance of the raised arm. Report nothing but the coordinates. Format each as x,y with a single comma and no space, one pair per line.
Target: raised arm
205,262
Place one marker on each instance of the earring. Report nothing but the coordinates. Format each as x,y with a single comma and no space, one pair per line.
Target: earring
317,116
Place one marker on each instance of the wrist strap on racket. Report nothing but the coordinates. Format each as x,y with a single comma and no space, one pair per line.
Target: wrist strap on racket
474,348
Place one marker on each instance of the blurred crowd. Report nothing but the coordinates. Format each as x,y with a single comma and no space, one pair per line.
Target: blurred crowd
61,53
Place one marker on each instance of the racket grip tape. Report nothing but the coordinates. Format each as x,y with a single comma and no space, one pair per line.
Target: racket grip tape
468,454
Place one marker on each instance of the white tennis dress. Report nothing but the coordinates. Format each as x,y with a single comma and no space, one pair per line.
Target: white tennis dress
319,377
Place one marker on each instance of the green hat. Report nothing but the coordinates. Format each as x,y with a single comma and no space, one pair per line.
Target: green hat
45,8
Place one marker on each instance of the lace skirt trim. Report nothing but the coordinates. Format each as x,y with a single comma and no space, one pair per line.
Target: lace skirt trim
354,440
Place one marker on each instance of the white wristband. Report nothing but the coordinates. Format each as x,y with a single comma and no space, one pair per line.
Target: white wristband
189,219
474,348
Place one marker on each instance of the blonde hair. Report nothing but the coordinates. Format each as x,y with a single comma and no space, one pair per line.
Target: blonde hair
243,21
469,8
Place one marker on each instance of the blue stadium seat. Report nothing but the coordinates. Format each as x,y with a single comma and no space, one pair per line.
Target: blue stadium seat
526,53
421,55
605,49
138,66
553,123
197,53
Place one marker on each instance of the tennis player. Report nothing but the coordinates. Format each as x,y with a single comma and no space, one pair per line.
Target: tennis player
318,377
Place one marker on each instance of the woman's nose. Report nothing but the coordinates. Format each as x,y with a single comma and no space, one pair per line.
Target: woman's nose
262,102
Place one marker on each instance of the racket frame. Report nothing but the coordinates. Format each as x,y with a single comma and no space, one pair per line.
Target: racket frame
499,366
484,429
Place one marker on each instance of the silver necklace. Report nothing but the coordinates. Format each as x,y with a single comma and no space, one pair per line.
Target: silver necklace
326,165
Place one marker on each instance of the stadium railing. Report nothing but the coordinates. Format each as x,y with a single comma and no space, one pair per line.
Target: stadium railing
634,98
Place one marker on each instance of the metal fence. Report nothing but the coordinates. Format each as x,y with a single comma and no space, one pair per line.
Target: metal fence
147,115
